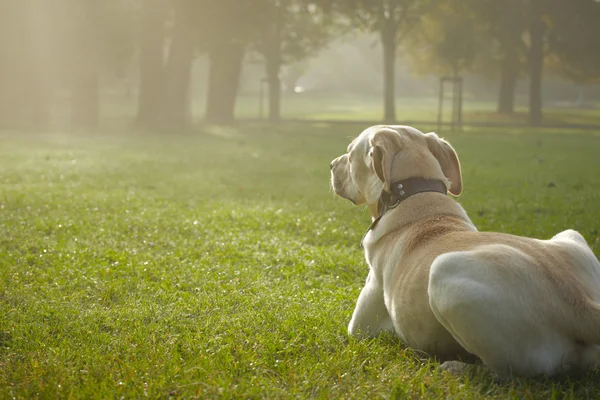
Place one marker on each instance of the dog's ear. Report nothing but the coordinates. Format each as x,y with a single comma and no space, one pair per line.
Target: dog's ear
385,144
448,160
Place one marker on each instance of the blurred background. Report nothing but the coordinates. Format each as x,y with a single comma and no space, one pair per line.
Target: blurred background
171,64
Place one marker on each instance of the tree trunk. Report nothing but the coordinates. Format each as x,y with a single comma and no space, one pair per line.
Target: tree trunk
580,96
151,63
273,62
179,70
84,90
536,62
388,41
508,80
274,90
40,112
13,99
42,65
226,60
84,95
26,64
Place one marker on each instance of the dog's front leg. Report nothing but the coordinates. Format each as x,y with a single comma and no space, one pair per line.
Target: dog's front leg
370,316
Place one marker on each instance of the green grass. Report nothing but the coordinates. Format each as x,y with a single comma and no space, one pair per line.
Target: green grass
353,107
219,264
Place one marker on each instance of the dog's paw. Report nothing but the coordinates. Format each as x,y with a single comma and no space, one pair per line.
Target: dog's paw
459,368
455,367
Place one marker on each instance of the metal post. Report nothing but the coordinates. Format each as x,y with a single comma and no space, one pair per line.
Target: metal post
454,104
440,104
456,119
460,101
260,99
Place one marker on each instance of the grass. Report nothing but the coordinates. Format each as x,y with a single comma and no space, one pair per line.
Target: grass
355,107
218,264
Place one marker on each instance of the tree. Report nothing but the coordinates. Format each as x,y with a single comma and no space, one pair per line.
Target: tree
151,63
96,39
537,28
85,35
447,40
226,44
178,69
226,59
392,20
573,42
289,31
503,25
164,95
28,66
508,31
61,44
281,31
270,47
519,29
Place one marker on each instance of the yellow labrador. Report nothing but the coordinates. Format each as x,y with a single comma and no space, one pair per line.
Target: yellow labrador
523,306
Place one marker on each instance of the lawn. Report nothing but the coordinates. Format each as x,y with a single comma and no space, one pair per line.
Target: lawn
218,263
359,107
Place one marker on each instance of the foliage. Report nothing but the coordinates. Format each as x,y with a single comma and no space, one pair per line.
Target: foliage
574,40
222,21
378,15
296,27
61,39
476,34
220,265
447,40
122,36
502,27
105,31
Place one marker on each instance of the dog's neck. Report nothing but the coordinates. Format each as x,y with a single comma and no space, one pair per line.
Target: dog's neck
402,190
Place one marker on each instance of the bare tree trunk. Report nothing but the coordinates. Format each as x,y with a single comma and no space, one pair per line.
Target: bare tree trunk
12,81
273,62
42,64
84,92
7,99
84,96
8,27
580,96
508,81
26,64
151,63
226,60
536,62
274,82
40,112
388,41
179,69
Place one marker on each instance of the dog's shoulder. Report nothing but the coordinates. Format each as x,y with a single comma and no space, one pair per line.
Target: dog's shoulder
426,231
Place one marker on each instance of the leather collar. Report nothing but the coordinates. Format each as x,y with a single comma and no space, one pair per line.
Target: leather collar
402,190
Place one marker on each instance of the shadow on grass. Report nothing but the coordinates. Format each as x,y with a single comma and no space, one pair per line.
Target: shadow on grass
476,380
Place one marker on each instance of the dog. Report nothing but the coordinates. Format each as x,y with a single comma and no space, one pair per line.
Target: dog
523,306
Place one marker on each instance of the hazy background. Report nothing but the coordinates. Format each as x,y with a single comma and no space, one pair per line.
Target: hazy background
171,64
158,242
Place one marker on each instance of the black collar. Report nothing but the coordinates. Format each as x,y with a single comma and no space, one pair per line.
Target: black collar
402,190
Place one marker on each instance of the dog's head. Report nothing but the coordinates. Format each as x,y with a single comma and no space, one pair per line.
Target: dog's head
381,155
